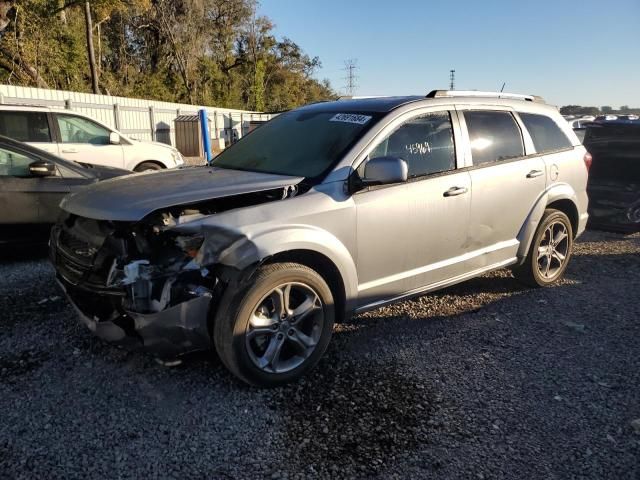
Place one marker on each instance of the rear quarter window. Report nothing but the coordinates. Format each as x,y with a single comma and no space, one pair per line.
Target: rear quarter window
545,133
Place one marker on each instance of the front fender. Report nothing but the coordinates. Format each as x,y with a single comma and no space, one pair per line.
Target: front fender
306,237
558,191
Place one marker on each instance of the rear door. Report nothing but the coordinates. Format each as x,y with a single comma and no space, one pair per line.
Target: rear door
31,127
83,140
505,183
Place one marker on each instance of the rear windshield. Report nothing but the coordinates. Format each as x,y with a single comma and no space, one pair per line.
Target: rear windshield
299,143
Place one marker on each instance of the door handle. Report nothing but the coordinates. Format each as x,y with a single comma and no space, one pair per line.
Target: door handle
534,173
69,150
453,191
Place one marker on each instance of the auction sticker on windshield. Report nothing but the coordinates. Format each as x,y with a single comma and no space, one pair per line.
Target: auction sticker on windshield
350,118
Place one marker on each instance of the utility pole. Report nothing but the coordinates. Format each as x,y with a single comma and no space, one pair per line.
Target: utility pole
90,52
350,67
452,79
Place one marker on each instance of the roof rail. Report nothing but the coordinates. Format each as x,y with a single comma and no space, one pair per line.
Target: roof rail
361,97
475,93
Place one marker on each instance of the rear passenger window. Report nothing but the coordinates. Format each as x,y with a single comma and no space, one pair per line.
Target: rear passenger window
25,126
494,136
424,142
545,133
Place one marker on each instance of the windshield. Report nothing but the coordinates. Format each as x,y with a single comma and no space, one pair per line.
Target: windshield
299,143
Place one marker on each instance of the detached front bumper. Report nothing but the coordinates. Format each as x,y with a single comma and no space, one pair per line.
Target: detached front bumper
167,334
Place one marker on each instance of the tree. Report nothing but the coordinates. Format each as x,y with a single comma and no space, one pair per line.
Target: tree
606,109
216,52
579,110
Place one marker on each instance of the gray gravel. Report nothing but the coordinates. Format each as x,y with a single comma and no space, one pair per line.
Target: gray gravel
484,380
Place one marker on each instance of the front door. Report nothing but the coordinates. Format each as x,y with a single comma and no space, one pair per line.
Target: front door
382,227
82,140
413,235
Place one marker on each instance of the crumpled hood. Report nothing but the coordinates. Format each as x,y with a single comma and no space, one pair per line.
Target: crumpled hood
132,197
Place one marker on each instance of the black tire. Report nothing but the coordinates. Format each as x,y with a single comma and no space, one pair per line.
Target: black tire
232,323
531,272
145,166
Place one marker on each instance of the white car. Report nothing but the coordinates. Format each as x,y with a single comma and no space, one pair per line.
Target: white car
77,137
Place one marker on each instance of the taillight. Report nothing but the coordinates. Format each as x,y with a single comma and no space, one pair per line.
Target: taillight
588,160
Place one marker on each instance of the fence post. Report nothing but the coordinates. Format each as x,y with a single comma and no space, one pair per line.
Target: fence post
68,105
116,115
215,125
241,127
206,135
152,121
1,98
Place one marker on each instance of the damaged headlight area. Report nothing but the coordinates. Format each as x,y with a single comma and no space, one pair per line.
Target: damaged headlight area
136,283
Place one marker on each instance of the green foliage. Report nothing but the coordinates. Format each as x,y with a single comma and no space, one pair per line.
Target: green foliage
212,52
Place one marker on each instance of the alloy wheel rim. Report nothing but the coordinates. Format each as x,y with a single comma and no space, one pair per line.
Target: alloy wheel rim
553,250
284,327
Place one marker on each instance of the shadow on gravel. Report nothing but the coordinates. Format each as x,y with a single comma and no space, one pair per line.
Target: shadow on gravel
487,284
21,252
14,367
352,418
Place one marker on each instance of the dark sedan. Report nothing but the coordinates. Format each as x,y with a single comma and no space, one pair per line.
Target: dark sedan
32,183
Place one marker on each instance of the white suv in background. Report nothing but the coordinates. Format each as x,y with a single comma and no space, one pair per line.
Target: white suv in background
76,137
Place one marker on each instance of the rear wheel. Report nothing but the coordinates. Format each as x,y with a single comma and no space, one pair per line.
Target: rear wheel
276,329
145,166
550,251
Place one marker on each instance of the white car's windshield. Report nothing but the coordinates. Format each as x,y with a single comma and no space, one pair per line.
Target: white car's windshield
299,143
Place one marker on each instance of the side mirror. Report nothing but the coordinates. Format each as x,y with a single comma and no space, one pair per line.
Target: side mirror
42,168
114,138
385,170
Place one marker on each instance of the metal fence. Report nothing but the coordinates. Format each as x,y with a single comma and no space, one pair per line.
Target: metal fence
138,118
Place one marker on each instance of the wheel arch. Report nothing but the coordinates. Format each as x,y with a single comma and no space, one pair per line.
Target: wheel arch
560,197
570,209
317,248
325,267
155,162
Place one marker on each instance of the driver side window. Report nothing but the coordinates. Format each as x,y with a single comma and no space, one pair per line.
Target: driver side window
13,164
424,142
75,129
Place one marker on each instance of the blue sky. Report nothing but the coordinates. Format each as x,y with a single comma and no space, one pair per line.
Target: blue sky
570,52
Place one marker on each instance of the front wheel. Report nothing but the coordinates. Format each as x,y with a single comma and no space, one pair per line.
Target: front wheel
549,252
276,329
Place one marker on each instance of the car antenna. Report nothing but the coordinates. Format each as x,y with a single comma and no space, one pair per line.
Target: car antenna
502,89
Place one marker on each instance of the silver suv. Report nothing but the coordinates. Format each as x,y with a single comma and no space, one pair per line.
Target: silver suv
326,211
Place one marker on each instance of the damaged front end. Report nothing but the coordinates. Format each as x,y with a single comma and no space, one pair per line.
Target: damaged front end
154,283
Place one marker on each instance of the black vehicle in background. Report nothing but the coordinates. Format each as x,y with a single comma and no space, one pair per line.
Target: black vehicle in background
614,177
32,183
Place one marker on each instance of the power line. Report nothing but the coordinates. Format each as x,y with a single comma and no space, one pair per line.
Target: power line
452,79
350,67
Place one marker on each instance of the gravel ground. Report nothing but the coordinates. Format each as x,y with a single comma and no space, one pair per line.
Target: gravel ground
484,380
